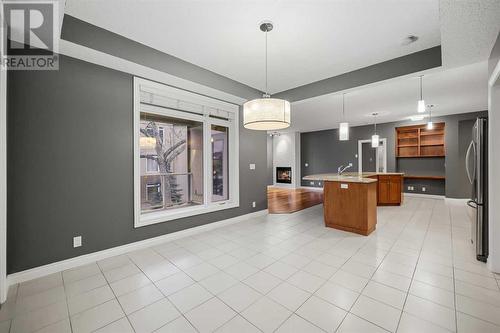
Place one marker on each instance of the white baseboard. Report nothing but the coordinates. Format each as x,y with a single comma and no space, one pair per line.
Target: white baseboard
426,196
457,200
60,266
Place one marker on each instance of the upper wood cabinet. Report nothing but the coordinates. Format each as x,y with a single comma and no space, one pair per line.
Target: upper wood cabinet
418,141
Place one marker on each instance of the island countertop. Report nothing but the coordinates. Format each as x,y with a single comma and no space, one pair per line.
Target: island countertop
351,177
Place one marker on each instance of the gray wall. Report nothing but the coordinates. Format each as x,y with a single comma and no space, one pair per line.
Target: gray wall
70,165
324,153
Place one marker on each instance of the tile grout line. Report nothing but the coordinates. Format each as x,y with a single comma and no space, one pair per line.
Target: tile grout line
359,294
116,297
67,304
416,264
453,271
392,246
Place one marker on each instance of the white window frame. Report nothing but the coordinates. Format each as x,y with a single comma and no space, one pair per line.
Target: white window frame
185,98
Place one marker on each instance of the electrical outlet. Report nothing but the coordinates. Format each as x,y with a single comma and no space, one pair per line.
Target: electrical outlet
252,166
77,241
411,188
306,164
311,183
253,204
424,189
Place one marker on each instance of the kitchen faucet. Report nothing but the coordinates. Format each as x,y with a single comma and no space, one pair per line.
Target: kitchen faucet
343,168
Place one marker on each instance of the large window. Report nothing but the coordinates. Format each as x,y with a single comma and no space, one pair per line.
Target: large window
171,161
220,179
185,154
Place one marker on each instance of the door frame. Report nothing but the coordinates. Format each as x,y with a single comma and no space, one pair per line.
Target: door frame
360,155
3,185
493,262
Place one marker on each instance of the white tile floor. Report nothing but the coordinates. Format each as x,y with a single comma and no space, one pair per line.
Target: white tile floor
282,273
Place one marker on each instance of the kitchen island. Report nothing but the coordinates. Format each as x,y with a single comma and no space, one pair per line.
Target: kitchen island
350,200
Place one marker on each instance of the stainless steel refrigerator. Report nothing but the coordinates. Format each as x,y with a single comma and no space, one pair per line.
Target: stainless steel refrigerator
476,165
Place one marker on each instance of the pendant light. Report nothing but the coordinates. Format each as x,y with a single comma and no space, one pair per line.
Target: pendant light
421,102
430,124
343,126
266,113
375,136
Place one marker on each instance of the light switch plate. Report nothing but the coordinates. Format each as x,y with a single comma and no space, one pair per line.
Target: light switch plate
253,204
252,166
77,241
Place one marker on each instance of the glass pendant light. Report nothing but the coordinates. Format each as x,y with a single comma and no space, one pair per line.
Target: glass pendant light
266,113
343,126
375,136
421,102
430,124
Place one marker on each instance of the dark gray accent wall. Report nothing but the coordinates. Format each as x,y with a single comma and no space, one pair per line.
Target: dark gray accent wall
86,34
70,165
405,65
324,152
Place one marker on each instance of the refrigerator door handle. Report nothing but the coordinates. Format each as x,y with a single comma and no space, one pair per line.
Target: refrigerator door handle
467,156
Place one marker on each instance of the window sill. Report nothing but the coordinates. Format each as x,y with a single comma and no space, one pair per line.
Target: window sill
165,216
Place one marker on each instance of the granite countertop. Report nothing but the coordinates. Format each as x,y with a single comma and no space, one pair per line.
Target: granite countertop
349,177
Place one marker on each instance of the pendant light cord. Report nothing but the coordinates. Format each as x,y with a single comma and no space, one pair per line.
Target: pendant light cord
343,106
375,115
266,62
421,93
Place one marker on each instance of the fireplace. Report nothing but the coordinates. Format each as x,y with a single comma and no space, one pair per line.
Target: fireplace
284,175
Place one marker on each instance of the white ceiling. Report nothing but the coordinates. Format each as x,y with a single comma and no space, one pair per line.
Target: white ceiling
312,39
468,30
457,90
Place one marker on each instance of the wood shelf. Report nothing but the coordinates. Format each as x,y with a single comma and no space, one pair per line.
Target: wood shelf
418,141
430,144
427,134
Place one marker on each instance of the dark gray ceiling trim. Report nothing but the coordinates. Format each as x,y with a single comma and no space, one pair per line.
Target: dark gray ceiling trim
86,34
405,65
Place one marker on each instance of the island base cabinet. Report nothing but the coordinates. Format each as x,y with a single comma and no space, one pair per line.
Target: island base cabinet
350,206
389,189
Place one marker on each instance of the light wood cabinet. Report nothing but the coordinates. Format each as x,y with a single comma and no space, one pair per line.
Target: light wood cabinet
350,206
389,189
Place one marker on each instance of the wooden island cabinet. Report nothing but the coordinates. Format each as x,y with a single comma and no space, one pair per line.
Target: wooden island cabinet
389,189
351,205
350,200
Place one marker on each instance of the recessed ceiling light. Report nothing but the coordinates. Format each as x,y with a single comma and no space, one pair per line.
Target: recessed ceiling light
410,39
